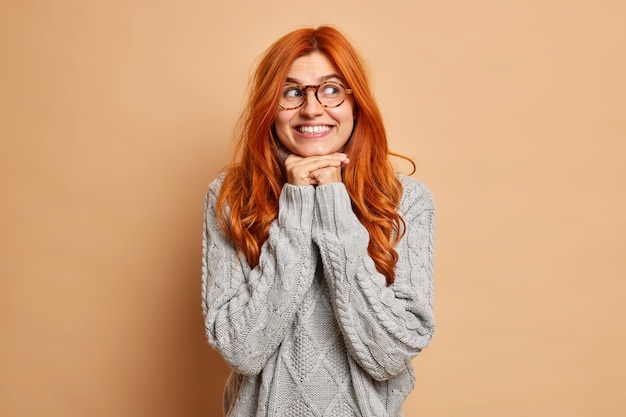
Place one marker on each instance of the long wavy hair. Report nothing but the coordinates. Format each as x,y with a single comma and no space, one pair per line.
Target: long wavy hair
248,200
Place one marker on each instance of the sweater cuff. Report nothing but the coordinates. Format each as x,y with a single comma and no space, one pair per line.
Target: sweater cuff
295,207
335,209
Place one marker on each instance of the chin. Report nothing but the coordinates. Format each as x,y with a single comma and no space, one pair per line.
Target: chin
316,151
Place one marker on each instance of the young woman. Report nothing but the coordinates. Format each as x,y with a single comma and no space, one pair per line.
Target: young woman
317,265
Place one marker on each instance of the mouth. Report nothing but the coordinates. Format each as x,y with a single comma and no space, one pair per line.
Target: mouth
311,130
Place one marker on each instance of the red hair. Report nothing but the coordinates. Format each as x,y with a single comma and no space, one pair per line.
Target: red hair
248,200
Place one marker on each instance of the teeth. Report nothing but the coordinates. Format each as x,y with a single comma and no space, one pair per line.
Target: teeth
313,129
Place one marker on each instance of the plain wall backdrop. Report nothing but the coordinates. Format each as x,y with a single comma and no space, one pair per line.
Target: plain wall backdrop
116,115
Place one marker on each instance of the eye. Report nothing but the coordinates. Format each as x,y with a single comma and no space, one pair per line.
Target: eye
331,89
292,92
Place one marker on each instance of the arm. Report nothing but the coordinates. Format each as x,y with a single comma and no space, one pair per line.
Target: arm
247,311
383,327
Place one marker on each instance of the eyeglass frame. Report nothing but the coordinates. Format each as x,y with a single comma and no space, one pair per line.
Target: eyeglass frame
305,90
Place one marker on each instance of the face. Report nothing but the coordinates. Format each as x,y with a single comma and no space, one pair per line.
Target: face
313,129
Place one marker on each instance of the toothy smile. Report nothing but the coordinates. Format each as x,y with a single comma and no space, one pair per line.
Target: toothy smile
313,129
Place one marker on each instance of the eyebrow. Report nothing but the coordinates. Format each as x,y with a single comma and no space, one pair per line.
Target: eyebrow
320,80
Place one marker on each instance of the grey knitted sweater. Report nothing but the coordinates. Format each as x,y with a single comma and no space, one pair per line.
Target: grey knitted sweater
313,330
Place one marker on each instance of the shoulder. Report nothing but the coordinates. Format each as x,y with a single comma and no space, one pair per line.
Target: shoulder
216,185
213,192
416,197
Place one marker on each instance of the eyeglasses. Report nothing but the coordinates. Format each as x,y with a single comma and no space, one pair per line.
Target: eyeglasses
328,94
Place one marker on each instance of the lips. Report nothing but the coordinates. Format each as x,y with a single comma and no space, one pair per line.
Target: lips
306,129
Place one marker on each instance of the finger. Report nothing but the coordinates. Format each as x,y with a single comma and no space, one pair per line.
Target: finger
318,158
315,162
327,175
300,170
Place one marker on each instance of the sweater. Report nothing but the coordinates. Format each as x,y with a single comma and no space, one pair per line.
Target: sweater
313,329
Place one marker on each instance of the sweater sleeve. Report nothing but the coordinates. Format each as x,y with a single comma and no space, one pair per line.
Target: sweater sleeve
384,327
247,311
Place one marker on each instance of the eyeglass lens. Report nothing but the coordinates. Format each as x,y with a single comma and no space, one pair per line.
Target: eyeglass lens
329,94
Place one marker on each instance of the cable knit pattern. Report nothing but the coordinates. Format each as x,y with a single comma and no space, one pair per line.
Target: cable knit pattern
313,330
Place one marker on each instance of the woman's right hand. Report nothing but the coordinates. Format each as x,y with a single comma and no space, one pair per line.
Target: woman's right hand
315,170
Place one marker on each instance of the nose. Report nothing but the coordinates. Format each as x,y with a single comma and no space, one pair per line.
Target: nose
311,107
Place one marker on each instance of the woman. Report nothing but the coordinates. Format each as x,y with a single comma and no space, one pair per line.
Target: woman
317,266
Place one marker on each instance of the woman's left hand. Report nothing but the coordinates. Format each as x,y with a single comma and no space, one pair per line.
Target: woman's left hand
315,170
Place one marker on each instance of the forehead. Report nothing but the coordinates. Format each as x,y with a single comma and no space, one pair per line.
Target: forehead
311,68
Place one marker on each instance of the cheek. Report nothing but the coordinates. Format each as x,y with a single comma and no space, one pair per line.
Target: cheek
281,130
281,127
350,110
347,119
280,122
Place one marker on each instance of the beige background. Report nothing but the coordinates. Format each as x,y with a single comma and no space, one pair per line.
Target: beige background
115,115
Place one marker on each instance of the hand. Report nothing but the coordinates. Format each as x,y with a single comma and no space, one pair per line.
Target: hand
315,170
